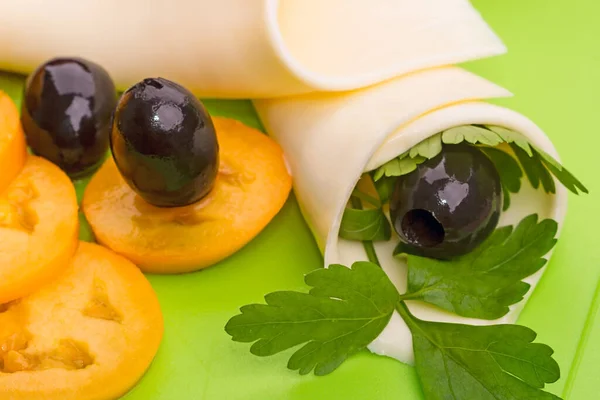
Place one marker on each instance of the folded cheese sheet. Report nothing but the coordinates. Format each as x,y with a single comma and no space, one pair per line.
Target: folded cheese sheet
343,85
331,139
247,48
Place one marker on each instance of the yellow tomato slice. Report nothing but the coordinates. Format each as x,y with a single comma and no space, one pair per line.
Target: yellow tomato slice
38,228
13,150
90,334
252,185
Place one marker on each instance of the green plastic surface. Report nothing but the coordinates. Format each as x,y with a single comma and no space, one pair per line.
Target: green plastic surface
553,67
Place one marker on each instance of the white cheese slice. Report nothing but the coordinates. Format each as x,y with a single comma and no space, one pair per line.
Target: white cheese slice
247,48
331,139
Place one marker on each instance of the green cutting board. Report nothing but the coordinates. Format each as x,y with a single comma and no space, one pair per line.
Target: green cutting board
553,67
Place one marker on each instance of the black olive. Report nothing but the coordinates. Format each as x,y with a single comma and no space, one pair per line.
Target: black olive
164,143
448,205
66,113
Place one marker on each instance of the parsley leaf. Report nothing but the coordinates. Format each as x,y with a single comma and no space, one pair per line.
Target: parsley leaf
428,148
538,165
345,310
385,188
534,169
369,224
565,177
510,136
465,362
483,283
472,134
398,166
545,176
509,170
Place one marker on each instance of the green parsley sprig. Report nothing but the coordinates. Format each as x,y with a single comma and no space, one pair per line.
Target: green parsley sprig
483,283
465,362
347,308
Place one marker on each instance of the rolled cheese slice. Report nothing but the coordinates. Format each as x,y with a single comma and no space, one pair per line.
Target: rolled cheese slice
247,48
331,139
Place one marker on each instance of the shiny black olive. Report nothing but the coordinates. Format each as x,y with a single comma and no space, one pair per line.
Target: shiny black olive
66,113
164,143
448,205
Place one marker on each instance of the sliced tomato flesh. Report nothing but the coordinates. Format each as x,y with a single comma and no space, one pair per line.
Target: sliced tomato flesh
13,150
89,334
38,228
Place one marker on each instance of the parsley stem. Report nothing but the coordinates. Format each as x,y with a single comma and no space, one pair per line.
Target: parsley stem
403,309
371,254
412,296
367,244
405,314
